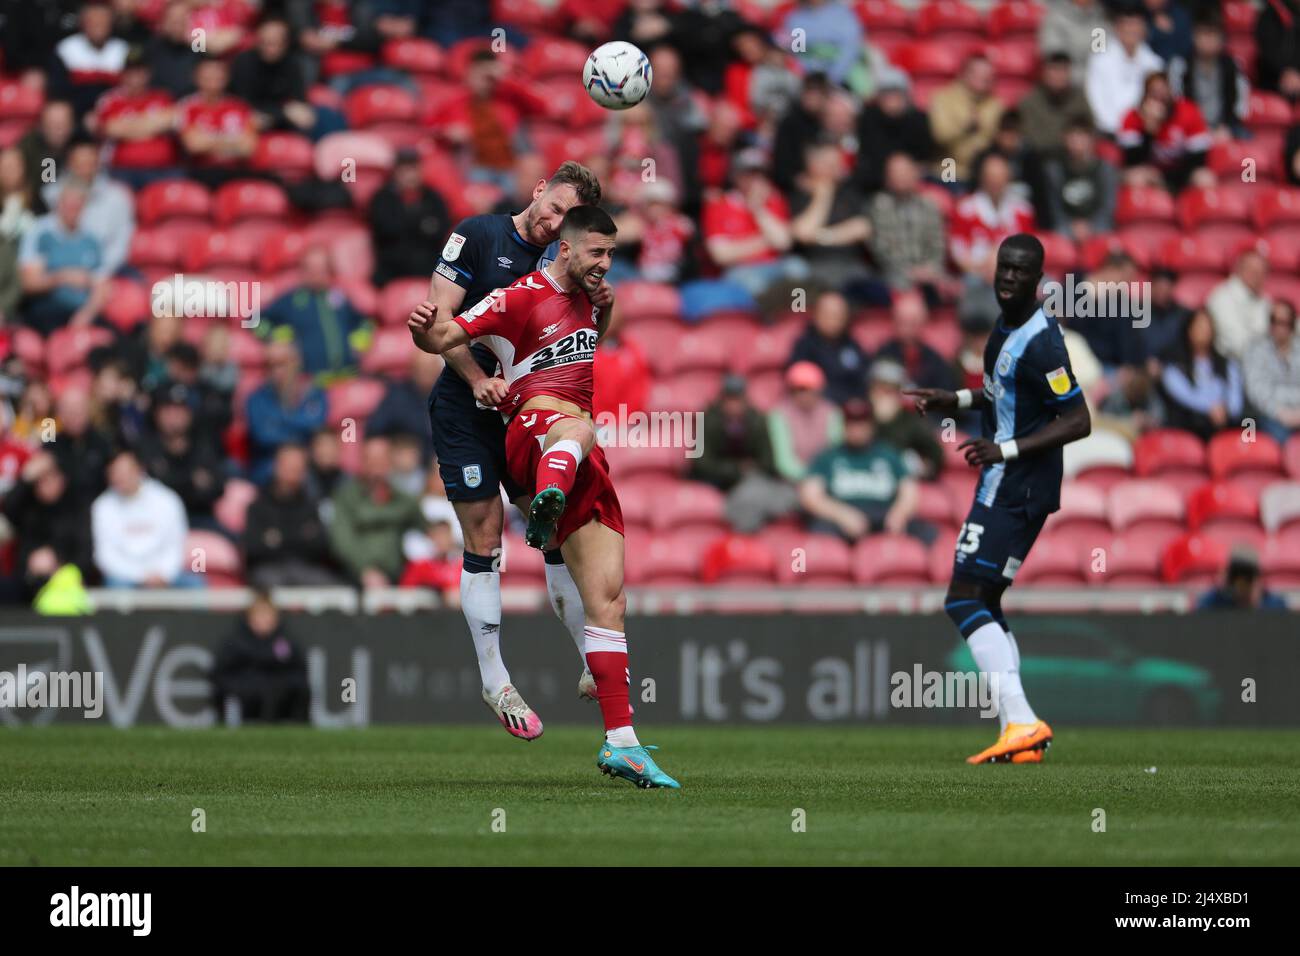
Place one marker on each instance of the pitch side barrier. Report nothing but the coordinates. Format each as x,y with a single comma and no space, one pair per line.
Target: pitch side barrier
869,669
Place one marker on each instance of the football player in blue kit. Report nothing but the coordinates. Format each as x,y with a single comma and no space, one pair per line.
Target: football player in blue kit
484,253
1030,407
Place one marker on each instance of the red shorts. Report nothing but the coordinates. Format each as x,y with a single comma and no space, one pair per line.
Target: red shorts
593,495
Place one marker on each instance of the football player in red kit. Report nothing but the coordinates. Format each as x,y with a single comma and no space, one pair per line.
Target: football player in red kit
543,330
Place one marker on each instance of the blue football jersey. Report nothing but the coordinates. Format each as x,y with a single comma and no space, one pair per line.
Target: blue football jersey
1027,383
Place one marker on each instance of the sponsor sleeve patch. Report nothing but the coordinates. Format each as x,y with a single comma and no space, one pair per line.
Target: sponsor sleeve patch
451,251
1058,380
447,271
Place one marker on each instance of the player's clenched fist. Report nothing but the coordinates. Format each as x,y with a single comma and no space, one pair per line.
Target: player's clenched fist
420,323
491,392
932,399
980,452
603,297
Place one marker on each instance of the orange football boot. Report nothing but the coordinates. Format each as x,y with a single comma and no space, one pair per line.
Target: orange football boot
1015,739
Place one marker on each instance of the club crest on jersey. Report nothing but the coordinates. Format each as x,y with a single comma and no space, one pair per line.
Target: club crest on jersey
451,251
1004,363
473,476
1058,380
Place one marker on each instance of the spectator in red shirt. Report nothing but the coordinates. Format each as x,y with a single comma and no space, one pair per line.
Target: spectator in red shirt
1165,139
622,373
137,122
716,145
217,130
980,222
658,232
747,229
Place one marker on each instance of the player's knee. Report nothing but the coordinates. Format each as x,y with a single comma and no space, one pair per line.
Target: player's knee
967,605
609,611
480,523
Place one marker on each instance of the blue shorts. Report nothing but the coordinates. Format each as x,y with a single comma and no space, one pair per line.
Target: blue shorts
993,542
470,443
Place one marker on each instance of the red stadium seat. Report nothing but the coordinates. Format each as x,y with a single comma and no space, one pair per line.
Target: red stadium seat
948,18
1281,248
1163,450
1132,557
1191,291
1057,561
1184,253
936,506
1010,91
1279,559
1138,204
414,55
568,103
355,399
1284,287
666,560
218,557
231,508
629,460
389,354
1015,18
1060,254
173,199
67,348
1083,513
738,560
249,199
1194,559
1015,58
1234,157
548,56
766,349
884,559
377,104
20,103
29,346
1267,111
689,391
687,502
129,304
1197,206
282,250
528,15
399,297
808,559
363,158
712,343
291,157
1229,454
1222,503
1094,251
1142,504
1104,457
638,301
215,249
1291,456
1239,17
1278,206
884,15
932,58
1144,241
939,559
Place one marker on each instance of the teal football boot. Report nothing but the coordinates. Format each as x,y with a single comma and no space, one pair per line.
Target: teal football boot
634,764
543,515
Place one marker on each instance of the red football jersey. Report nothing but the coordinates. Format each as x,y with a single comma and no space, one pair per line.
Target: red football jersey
544,338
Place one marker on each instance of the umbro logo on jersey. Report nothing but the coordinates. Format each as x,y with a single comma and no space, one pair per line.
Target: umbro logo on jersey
550,329
504,261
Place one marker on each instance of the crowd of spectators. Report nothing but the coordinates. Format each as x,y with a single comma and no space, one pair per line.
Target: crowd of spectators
859,178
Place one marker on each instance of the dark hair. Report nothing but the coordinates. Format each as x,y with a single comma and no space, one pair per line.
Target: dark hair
581,220
184,353
1024,242
582,179
1182,350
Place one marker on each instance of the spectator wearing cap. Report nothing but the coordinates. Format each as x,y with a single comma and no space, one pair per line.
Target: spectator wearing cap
1271,369
964,116
1053,106
833,38
1070,26
827,343
861,485
1082,187
89,62
61,268
830,225
138,526
320,319
1242,587
284,541
407,221
907,231
370,518
890,124
109,213
747,229
137,121
1277,39
1117,73
287,408
217,130
1211,78
182,459
1239,305
896,425
803,423
921,364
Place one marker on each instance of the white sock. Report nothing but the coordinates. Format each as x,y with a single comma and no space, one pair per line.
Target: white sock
622,737
480,600
1015,659
994,656
566,602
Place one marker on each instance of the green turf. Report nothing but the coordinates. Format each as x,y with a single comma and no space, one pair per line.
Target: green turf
75,796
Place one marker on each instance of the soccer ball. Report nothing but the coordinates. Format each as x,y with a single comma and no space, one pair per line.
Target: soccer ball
617,75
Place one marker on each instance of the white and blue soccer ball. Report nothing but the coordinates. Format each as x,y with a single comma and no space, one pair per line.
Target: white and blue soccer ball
617,75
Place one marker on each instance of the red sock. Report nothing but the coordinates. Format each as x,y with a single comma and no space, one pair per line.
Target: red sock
606,653
558,467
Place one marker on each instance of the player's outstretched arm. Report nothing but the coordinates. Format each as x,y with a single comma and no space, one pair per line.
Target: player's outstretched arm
1071,425
943,400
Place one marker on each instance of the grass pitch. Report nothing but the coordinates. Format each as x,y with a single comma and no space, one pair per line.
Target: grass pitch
429,795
